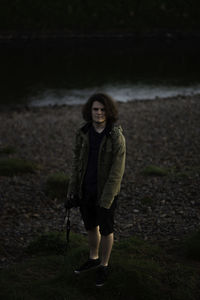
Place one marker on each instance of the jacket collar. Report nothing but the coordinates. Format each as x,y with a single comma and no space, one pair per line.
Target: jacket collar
85,128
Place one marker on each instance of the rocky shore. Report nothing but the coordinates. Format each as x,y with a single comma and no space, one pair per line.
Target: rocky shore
162,132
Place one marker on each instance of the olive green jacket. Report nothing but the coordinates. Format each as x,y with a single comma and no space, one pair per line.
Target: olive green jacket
111,164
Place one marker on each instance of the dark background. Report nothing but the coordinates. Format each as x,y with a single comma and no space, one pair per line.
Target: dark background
89,16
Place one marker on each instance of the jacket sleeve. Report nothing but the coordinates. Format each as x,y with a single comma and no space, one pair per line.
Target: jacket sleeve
73,183
113,183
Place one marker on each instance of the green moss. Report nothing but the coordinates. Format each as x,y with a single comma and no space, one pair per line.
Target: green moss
16,166
191,246
56,185
50,243
187,172
172,172
54,243
139,271
7,150
155,171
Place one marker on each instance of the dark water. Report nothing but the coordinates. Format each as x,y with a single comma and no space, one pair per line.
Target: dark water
59,74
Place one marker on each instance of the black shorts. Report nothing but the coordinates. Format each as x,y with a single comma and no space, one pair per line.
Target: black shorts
94,216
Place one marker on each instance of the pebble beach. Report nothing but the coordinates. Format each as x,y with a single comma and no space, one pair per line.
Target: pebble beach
163,132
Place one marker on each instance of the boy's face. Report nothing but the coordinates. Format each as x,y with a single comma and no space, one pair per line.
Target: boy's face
98,112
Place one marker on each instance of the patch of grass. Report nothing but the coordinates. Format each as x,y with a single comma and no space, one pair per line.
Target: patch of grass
53,243
140,271
155,171
188,172
7,150
56,185
191,246
152,170
16,166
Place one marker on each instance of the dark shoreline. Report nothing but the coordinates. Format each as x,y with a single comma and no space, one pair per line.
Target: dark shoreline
28,108
153,38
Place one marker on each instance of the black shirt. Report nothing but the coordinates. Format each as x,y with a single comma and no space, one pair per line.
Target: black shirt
90,179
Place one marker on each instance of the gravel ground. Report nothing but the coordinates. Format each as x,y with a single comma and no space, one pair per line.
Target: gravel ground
162,132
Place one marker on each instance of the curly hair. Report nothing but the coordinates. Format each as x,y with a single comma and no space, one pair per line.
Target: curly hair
109,104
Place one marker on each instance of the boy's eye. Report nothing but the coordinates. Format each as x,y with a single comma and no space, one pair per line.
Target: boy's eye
96,109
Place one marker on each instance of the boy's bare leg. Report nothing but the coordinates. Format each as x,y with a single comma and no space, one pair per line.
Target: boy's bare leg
94,239
106,247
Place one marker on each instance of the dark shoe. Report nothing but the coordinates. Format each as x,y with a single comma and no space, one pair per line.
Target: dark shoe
88,265
102,274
